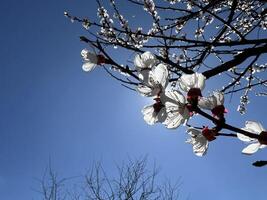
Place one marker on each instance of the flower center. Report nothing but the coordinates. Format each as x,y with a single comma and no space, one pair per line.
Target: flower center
158,105
194,93
209,134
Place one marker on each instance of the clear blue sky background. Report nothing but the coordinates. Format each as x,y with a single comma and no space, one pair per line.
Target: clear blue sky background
49,107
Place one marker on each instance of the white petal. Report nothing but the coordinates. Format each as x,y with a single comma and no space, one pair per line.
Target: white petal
188,81
254,127
212,101
219,98
144,75
149,115
207,103
144,90
244,138
199,142
200,83
193,132
89,56
174,97
252,148
162,115
145,60
175,116
173,121
159,75
88,66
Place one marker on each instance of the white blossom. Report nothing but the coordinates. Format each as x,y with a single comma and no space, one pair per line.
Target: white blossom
90,60
177,112
255,145
199,142
169,109
154,81
188,81
152,115
208,103
144,61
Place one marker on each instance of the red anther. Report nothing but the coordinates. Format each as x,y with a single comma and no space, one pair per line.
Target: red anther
209,134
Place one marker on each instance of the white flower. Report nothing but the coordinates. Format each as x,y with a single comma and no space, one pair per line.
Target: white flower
256,128
145,61
189,81
208,103
91,60
199,142
154,81
169,109
177,112
154,113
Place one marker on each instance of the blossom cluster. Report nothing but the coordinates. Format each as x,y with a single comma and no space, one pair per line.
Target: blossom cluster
173,107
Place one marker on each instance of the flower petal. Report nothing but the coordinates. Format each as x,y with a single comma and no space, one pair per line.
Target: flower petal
254,127
144,90
188,81
199,142
244,138
173,97
252,148
88,66
193,132
208,103
144,75
149,115
263,146
175,116
159,75
145,60
89,56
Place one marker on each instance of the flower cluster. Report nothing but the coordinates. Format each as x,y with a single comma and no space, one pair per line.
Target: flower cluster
174,107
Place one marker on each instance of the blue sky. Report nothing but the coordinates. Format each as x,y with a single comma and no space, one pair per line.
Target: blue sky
50,108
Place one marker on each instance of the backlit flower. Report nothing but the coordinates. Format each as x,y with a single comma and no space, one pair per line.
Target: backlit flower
256,144
177,112
154,82
91,60
199,142
214,103
154,113
145,61
189,81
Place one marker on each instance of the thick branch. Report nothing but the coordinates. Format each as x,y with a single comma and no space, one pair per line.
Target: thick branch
236,61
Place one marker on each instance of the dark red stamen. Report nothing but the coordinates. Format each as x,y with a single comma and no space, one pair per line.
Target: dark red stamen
194,93
158,105
209,134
